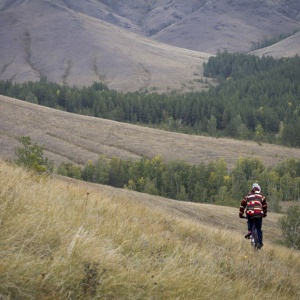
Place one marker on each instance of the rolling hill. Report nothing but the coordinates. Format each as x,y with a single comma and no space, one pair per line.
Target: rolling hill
73,48
232,25
286,48
135,45
75,138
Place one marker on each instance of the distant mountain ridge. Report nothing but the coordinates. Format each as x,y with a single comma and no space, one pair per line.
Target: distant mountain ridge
135,45
228,24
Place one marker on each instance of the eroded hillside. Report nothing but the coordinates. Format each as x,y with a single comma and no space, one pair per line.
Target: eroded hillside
127,44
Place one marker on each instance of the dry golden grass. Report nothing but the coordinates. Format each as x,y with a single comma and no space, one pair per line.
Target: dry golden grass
70,137
71,240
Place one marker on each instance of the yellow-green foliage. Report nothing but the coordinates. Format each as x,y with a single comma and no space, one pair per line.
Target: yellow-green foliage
58,241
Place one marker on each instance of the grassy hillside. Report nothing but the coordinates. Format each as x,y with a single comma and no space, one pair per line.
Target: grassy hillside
66,239
74,138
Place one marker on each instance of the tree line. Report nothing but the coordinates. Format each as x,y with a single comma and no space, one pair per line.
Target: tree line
211,183
256,99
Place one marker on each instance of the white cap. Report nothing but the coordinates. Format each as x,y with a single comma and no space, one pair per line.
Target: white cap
256,185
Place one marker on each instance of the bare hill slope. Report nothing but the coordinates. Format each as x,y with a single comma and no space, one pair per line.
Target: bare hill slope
232,24
205,25
70,137
43,38
127,44
286,48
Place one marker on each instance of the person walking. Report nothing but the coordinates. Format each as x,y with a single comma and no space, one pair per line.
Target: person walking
256,207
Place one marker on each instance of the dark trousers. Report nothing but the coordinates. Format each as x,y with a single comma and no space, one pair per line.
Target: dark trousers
258,225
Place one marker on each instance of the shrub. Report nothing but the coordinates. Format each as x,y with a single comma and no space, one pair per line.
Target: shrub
290,226
31,156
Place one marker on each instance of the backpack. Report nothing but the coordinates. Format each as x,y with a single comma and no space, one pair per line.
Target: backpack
254,206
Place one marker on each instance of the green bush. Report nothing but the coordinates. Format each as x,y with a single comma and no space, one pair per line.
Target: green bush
31,156
290,226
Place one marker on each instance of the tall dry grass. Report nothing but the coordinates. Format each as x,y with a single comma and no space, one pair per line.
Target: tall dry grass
59,242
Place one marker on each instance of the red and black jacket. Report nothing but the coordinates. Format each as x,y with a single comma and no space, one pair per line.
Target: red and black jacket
255,205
